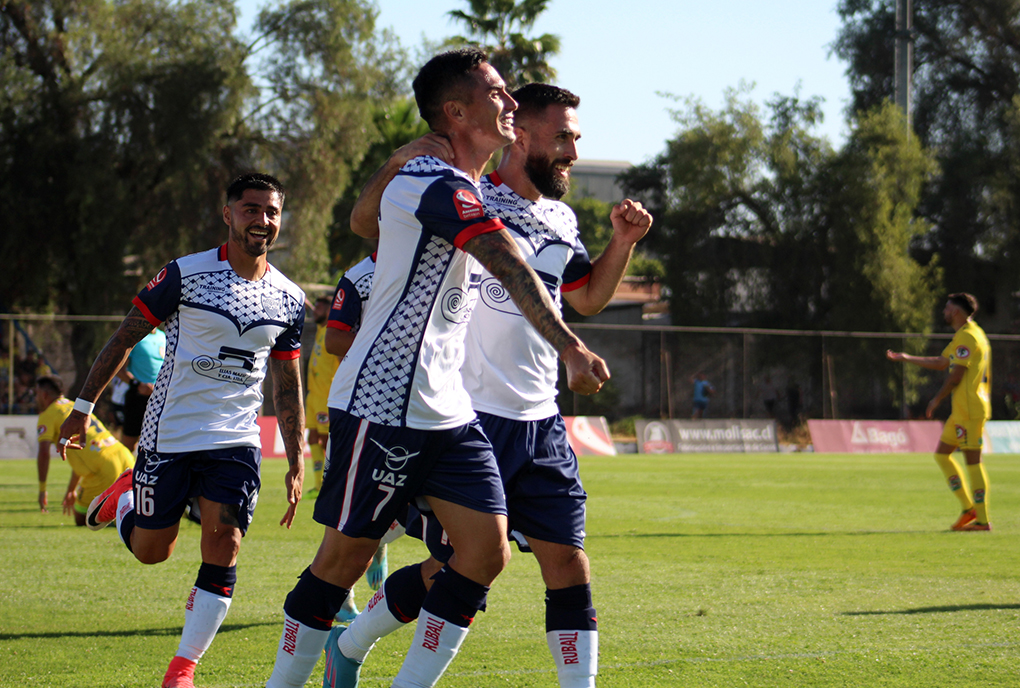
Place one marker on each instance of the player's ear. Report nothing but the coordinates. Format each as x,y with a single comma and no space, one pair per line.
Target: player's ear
454,110
226,215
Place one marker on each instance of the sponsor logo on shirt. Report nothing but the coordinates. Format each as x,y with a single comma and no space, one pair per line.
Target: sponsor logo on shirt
338,302
467,204
156,280
210,367
962,352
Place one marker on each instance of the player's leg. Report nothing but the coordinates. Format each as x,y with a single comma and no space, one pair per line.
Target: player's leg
954,475
570,621
971,446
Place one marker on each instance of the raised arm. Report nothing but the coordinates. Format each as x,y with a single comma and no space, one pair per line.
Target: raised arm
132,330
499,254
365,215
929,362
630,224
290,415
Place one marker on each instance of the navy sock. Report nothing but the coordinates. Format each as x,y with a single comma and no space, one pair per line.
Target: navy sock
127,524
455,598
570,609
314,602
405,593
219,580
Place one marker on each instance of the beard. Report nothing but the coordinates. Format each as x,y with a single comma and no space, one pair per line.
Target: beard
253,250
542,174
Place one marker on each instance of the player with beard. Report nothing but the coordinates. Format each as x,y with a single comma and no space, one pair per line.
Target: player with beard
510,373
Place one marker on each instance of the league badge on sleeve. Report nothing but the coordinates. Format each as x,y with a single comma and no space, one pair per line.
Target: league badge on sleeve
467,204
962,352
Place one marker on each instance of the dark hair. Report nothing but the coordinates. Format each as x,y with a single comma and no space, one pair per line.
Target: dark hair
444,78
533,99
51,383
965,301
253,180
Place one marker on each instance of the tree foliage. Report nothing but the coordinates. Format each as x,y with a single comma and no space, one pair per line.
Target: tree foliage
502,28
966,84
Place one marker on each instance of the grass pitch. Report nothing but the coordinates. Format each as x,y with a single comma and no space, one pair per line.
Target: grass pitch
708,570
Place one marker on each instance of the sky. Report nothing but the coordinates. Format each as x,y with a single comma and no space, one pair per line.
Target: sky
621,56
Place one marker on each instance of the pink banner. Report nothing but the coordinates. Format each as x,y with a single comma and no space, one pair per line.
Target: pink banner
875,436
589,435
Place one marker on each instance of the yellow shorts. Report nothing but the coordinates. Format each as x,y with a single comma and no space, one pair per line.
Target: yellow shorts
317,414
963,434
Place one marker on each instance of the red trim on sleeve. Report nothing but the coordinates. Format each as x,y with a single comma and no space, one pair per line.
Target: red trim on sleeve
146,312
477,229
337,325
222,253
374,254
576,284
285,355
495,178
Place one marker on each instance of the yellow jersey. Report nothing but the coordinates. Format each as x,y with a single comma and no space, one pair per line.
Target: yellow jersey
101,457
970,349
322,366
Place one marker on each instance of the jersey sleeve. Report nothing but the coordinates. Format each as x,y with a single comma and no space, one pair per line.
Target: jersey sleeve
47,428
162,295
577,271
345,312
451,208
963,346
288,344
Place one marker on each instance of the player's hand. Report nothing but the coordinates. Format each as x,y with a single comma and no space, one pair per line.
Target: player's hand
586,372
630,221
69,502
71,432
435,145
930,411
44,501
294,481
893,355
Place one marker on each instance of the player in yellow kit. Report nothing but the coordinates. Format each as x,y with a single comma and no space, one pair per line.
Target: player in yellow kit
321,367
94,467
969,360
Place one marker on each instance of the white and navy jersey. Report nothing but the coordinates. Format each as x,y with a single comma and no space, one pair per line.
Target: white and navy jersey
511,369
220,330
350,295
404,366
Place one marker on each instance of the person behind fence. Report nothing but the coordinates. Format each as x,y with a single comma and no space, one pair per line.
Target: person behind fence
94,467
401,424
510,372
229,316
139,372
968,358
703,389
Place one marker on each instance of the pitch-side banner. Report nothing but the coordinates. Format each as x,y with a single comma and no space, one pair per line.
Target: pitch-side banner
875,436
1002,437
669,436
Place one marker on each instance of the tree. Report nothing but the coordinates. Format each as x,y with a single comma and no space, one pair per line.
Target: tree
500,27
967,77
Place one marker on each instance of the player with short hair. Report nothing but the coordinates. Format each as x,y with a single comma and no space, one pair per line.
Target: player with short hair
968,357
229,316
401,423
511,374
94,467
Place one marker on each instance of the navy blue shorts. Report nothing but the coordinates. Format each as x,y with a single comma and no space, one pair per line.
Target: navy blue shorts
373,471
544,496
165,482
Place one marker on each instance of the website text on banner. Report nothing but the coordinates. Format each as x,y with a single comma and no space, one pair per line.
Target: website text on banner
669,436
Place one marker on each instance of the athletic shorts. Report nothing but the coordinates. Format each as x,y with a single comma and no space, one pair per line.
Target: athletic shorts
373,471
964,434
134,411
317,414
544,496
165,482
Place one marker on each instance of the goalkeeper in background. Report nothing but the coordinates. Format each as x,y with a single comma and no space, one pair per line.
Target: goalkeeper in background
969,361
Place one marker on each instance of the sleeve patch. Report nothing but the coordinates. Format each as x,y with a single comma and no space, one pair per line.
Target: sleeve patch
156,280
962,353
467,204
338,300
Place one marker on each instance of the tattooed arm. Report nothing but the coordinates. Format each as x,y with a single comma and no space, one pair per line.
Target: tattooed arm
499,254
290,415
132,330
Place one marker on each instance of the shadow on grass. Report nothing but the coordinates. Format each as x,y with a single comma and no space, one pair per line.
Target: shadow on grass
938,610
174,631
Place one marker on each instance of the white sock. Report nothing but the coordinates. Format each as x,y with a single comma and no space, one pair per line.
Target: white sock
125,505
299,650
436,642
374,622
576,654
203,615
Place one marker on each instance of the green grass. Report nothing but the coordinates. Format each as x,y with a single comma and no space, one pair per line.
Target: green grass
708,570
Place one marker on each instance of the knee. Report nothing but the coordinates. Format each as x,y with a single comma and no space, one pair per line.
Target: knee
152,555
